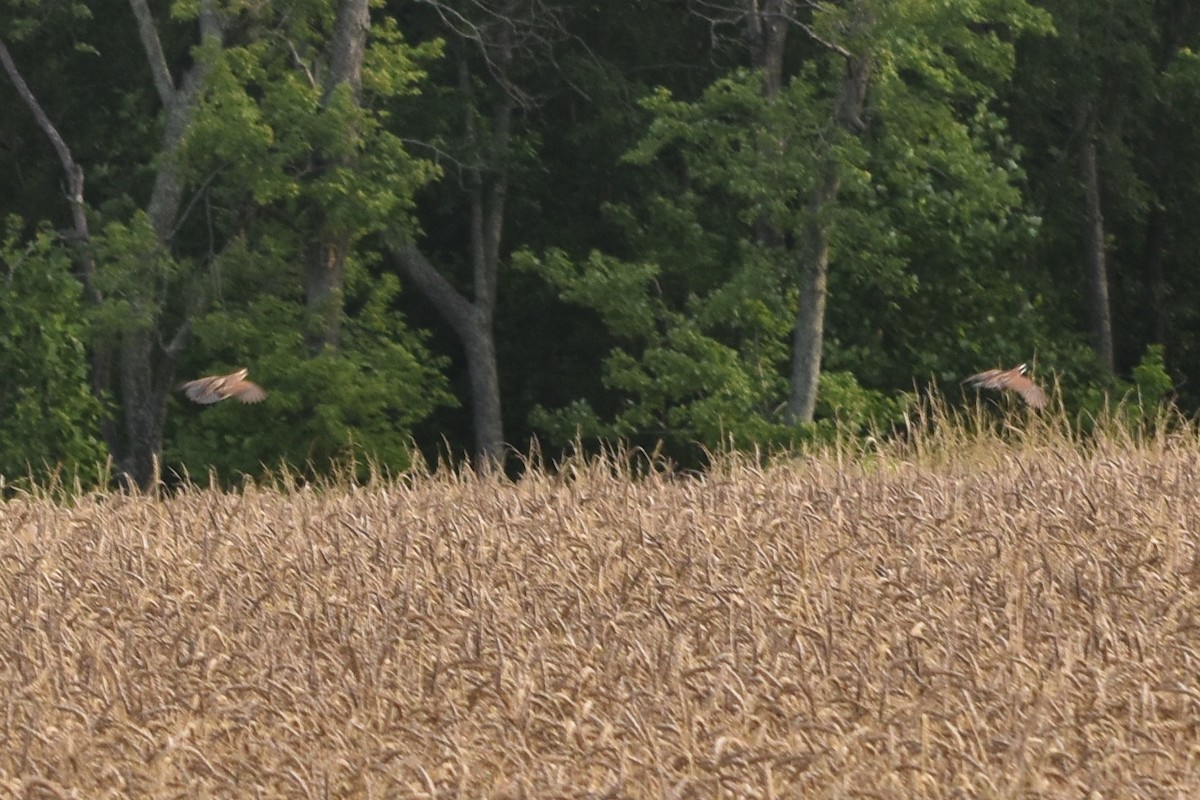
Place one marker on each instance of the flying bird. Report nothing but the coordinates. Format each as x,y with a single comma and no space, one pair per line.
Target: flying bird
1011,380
215,388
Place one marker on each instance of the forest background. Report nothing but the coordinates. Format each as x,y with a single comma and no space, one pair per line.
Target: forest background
466,223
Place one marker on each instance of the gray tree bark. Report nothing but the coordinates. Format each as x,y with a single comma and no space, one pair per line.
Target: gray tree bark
330,247
473,320
146,366
808,333
1094,261
767,25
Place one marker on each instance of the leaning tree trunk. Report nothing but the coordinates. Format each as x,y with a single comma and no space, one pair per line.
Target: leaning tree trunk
808,334
472,324
1095,268
102,351
473,320
145,368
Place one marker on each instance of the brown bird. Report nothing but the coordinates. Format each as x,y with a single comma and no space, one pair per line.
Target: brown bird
216,388
1011,379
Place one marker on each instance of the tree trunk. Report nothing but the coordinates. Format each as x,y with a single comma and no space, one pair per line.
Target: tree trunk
349,47
146,367
808,332
326,256
808,335
767,26
145,383
473,320
473,327
483,369
1095,270
323,292
766,30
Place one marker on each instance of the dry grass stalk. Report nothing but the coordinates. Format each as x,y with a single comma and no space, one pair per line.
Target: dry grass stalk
1017,620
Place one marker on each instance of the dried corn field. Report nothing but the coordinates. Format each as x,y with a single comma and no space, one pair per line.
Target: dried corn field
1021,622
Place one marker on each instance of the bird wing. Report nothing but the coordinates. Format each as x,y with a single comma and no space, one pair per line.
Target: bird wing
246,391
215,388
988,379
205,390
1011,380
1030,392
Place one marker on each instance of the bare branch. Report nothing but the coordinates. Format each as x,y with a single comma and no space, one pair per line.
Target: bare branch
822,6
504,32
308,73
154,52
74,172
735,14
72,169
201,191
178,342
439,154
812,34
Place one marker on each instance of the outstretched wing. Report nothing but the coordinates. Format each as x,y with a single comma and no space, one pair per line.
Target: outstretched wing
205,390
1013,380
985,380
1030,392
215,388
246,391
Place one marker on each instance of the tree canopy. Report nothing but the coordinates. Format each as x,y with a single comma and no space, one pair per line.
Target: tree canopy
461,224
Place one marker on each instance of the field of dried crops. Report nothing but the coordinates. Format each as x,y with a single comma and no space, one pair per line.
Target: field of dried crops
1018,620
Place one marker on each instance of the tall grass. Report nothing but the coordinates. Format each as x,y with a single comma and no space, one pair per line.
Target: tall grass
991,605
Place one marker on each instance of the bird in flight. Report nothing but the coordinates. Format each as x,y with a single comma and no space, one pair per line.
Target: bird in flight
1012,380
216,388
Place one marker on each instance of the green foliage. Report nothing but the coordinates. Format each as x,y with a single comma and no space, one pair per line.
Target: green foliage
736,142
25,19
135,275
852,407
680,382
48,415
1154,383
268,130
618,290
1125,407
287,163
928,212
358,402
926,251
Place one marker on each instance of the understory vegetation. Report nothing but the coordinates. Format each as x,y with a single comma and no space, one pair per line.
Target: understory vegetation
990,605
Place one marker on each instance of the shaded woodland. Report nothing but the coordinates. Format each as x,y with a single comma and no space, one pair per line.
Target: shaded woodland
463,224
